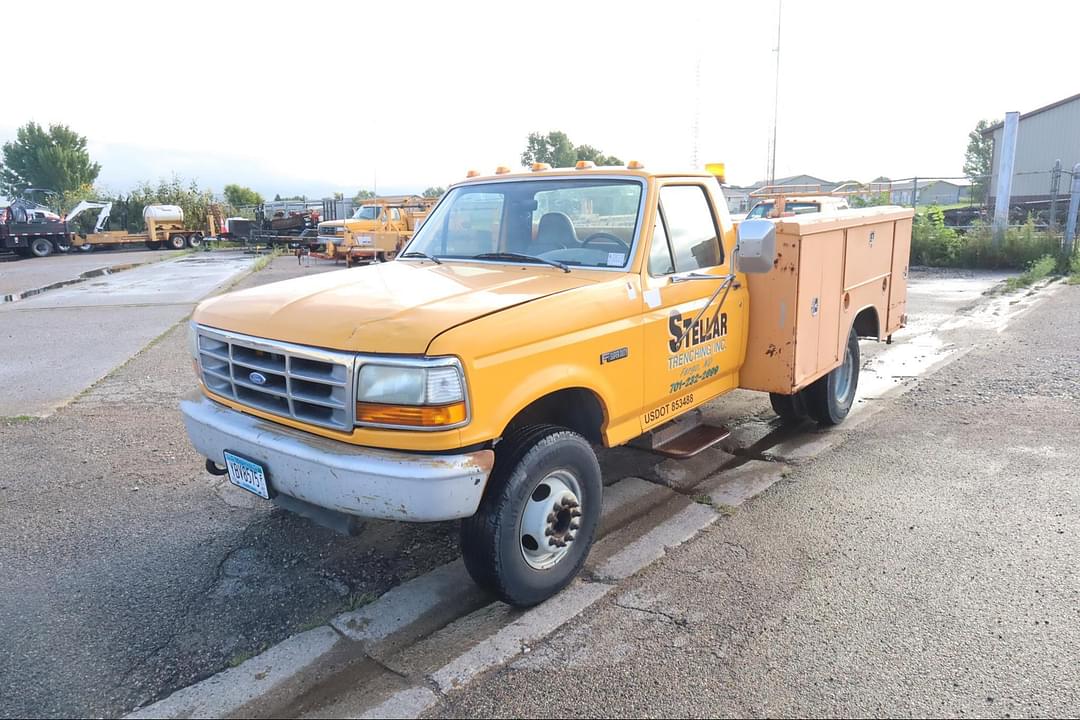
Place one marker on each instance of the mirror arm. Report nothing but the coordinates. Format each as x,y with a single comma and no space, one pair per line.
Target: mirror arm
725,287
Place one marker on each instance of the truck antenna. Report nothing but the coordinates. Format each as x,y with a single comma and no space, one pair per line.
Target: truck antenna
776,95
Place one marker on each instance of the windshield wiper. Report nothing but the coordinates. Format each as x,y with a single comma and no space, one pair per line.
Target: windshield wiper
521,256
417,253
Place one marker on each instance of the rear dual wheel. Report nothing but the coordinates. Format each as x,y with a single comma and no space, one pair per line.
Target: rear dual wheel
538,518
194,240
827,400
41,247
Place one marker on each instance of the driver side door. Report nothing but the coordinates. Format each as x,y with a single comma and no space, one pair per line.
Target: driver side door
691,355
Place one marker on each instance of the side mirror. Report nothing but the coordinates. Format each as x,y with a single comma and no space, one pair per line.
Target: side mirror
756,247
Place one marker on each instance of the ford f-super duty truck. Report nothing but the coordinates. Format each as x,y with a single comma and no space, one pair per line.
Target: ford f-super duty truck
532,318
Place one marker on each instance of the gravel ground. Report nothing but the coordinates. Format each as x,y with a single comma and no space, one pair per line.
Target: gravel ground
926,566
128,572
133,573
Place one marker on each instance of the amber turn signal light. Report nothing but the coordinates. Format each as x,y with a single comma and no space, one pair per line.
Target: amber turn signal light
410,415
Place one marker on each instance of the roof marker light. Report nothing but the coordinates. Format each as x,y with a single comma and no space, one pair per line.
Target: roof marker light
538,166
634,165
472,173
585,164
502,170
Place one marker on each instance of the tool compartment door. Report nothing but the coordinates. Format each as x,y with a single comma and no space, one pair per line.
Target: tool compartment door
901,254
818,306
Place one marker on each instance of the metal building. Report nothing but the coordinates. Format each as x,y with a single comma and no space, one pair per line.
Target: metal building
1045,135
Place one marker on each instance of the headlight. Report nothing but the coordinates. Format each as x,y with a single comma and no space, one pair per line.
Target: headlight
415,395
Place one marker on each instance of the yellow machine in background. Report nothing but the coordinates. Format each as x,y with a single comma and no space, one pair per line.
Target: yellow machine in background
164,228
377,230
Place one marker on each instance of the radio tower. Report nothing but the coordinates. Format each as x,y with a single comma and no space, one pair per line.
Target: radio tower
696,127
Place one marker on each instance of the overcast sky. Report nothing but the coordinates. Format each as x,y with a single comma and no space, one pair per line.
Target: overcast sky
317,97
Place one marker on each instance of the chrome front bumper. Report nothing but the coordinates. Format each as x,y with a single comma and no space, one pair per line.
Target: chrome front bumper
366,482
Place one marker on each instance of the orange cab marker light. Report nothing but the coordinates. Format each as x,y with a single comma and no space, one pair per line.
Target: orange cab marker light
410,415
472,173
585,164
634,165
538,166
502,170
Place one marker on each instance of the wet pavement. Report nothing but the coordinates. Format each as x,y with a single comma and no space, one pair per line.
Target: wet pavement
56,344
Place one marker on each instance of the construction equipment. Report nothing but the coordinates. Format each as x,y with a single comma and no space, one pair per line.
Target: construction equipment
164,228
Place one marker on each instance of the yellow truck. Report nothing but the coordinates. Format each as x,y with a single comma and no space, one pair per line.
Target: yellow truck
532,318
377,230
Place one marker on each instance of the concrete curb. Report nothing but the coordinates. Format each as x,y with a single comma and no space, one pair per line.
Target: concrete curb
228,691
83,277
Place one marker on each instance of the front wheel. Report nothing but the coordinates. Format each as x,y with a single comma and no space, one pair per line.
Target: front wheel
537,521
177,242
830,398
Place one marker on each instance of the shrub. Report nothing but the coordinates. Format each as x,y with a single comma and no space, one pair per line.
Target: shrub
936,245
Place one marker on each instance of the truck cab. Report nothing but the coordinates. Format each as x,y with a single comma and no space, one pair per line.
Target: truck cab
376,230
532,318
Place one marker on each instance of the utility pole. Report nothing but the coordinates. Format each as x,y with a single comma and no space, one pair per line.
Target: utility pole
1074,204
776,95
1006,162
1055,185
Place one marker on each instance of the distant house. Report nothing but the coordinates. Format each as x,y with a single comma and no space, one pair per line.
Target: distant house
807,183
930,192
1045,135
738,199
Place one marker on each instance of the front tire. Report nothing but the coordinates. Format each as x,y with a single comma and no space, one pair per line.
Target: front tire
830,398
538,518
177,242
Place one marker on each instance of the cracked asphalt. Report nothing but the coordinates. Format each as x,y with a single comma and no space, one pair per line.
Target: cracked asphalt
923,566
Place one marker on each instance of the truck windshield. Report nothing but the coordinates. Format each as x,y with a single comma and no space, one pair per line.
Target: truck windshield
368,212
590,222
762,210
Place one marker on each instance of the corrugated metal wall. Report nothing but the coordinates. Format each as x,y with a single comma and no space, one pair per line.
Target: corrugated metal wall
1043,138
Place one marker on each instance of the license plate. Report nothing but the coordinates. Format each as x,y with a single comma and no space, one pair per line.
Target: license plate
246,474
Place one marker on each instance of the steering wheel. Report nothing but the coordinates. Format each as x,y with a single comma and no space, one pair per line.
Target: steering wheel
609,237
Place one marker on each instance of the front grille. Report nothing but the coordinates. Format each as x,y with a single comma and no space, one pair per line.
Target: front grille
299,382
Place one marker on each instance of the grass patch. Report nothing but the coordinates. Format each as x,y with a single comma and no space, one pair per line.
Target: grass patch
1038,270
935,245
360,600
19,419
241,657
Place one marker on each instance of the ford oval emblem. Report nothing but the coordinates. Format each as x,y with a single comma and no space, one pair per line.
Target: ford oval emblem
258,378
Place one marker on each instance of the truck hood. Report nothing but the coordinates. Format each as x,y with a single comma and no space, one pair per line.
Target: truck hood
395,307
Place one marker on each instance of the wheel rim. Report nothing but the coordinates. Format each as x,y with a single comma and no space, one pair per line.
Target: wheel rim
843,377
551,519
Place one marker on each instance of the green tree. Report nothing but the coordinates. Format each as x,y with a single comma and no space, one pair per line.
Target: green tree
241,196
55,159
978,159
557,150
434,192
194,202
363,195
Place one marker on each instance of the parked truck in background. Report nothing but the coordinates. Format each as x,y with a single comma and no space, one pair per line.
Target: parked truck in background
164,228
377,230
531,318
